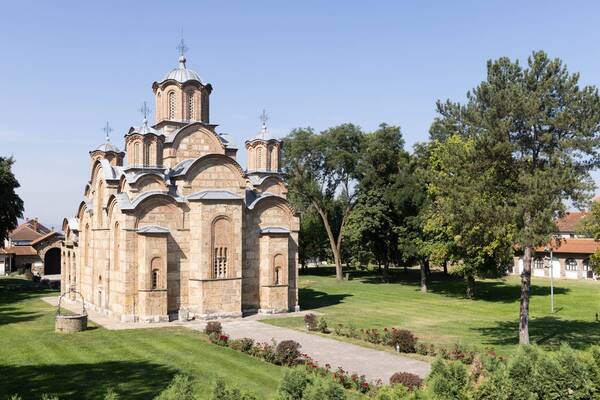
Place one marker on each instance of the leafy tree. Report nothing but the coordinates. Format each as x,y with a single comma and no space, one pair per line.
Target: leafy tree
590,226
312,245
539,128
321,170
11,205
468,211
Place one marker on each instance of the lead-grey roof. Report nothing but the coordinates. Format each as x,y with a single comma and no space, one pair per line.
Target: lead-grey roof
228,140
274,229
107,147
143,129
73,224
213,195
152,229
182,74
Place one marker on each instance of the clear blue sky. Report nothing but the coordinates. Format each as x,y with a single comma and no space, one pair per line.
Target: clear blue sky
67,67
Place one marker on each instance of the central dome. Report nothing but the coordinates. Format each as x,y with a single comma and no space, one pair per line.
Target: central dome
182,74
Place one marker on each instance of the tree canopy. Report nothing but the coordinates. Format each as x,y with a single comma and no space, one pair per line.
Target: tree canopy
11,205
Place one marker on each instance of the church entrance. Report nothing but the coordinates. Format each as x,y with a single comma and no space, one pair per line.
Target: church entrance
52,262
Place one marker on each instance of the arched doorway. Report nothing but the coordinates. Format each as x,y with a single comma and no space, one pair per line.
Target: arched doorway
52,262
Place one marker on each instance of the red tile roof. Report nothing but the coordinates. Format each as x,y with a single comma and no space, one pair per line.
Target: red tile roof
573,245
569,222
46,236
20,250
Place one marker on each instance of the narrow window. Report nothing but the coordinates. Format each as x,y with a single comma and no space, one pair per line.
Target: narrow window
220,262
586,264
259,158
189,106
136,153
539,263
154,279
146,154
172,105
278,275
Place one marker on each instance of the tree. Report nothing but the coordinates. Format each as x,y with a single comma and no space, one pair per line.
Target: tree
321,170
384,195
540,129
11,205
468,211
312,245
590,226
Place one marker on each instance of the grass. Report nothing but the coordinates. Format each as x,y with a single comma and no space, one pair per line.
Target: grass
138,363
445,316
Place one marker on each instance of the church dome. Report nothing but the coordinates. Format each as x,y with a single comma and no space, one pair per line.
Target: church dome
182,74
107,147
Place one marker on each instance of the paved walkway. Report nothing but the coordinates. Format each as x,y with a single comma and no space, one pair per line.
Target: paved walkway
374,364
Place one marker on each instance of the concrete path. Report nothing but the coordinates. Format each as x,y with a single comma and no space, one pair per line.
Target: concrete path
374,364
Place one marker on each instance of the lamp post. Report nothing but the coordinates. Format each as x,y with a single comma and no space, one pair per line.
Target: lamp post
551,281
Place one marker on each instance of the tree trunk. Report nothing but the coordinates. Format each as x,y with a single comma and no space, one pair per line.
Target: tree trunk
335,245
427,268
470,286
423,277
525,287
446,267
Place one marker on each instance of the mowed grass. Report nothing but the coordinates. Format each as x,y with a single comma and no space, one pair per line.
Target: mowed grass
138,363
445,316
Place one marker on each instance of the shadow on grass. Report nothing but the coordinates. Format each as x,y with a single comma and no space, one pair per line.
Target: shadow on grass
311,299
446,285
13,291
131,380
545,331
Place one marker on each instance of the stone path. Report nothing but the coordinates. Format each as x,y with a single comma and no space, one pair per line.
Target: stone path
374,364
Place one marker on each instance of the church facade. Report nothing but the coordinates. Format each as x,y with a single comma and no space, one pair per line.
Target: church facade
174,228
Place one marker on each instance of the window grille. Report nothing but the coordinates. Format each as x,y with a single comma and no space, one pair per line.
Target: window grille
538,263
172,104
220,262
571,265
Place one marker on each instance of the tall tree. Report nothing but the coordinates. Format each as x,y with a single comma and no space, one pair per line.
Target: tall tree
321,169
11,205
468,210
538,126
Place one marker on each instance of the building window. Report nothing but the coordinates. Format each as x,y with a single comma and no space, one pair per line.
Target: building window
277,276
189,105
172,104
259,158
586,264
154,279
136,153
571,265
116,239
146,154
220,262
538,263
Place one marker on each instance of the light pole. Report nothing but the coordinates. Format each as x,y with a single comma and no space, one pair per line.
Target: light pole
551,282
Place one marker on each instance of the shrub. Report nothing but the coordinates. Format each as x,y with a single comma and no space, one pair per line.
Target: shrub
244,344
293,384
386,337
372,336
339,330
265,351
219,339
352,331
49,397
495,387
448,381
223,391
213,327
322,327
287,352
110,394
404,339
411,381
311,322
324,389
422,349
396,392
180,388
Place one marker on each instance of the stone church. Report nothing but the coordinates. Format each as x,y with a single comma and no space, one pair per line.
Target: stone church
174,228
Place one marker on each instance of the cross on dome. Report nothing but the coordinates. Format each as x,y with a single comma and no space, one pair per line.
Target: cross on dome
107,130
264,118
145,111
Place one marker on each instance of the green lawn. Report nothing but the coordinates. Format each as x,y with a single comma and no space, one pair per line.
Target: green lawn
136,363
444,315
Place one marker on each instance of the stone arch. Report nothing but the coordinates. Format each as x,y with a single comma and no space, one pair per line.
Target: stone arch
52,261
186,133
279,266
234,180
151,181
273,184
221,247
163,206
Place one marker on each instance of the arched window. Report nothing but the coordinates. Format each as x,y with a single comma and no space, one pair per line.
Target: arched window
100,201
538,263
74,268
221,245
189,105
269,153
116,237
146,154
278,264
259,158
155,273
571,265
172,105
273,159
586,264
86,245
136,153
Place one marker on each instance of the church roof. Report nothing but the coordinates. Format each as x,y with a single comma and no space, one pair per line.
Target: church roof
214,195
143,129
152,229
263,135
107,147
182,74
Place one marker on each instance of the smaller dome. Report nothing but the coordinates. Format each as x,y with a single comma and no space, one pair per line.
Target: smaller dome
182,74
144,129
107,148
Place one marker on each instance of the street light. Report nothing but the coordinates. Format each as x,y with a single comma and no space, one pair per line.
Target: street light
551,280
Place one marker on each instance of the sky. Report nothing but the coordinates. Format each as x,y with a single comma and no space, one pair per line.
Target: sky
68,67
